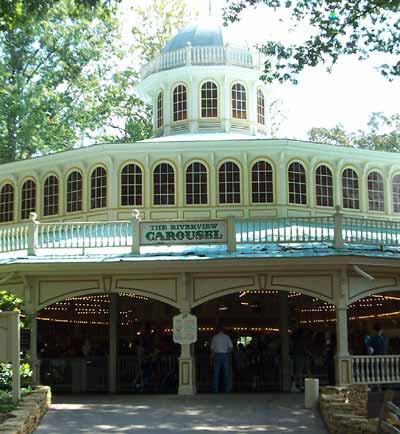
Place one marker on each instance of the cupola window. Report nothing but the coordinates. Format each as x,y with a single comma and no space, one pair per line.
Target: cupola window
98,188
262,188
324,186
180,103
28,199
164,184
131,185
229,183
209,100
239,101
376,194
7,203
396,193
50,196
74,192
297,184
196,184
260,107
350,190
160,110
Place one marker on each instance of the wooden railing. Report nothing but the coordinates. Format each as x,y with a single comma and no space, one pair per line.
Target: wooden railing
336,230
375,369
84,235
285,230
14,238
204,56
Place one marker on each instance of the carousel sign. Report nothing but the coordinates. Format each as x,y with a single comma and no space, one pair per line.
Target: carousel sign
185,328
191,232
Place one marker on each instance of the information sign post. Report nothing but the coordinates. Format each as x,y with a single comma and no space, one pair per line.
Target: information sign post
185,329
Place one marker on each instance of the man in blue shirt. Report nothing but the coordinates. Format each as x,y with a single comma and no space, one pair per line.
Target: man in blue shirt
221,347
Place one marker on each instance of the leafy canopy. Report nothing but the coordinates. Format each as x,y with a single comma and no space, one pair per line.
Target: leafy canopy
158,21
337,27
55,72
382,134
67,78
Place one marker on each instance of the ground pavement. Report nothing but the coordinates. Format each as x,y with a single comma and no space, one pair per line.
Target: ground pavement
171,414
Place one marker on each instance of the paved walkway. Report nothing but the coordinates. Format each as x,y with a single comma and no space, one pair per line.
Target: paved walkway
201,414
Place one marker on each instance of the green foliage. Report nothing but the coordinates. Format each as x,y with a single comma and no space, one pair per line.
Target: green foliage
158,21
9,302
382,134
60,83
6,376
337,27
64,77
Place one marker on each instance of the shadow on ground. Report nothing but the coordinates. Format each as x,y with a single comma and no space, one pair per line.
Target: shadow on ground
239,414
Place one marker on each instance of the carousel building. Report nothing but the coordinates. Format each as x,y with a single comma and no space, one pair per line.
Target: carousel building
209,220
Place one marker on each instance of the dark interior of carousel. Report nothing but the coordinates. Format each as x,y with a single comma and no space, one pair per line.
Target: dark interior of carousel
74,340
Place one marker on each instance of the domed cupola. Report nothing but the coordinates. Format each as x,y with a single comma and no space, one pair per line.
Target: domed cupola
201,82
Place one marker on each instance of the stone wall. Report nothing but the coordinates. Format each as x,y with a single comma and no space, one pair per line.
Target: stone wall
26,417
344,410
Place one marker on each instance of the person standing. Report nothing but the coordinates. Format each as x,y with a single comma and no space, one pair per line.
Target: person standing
221,347
378,342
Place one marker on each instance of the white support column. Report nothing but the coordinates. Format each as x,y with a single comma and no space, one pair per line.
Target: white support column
113,344
187,369
187,372
284,332
35,365
343,361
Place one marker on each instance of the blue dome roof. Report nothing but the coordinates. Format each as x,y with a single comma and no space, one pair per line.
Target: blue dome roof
204,33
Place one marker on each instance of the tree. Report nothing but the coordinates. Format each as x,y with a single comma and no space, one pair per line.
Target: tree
56,72
382,134
338,27
158,21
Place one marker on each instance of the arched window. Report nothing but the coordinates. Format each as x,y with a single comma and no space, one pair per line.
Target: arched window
180,103
164,185
324,186
376,195
131,185
160,110
229,183
28,199
396,193
350,191
260,107
98,188
297,184
196,184
209,100
262,188
7,203
50,196
74,192
239,101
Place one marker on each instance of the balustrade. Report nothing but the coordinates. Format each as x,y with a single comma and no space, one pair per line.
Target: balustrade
375,369
204,56
337,230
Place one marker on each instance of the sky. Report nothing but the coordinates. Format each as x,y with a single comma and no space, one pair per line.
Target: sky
321,99
348,95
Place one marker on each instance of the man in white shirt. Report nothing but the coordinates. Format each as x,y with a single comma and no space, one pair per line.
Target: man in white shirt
221,347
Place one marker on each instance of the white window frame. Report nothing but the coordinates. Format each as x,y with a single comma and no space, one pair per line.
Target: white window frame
262,188
324,195
350,189
297,183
